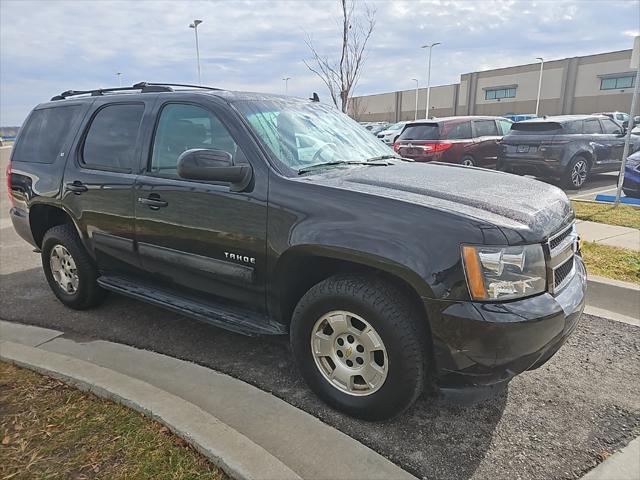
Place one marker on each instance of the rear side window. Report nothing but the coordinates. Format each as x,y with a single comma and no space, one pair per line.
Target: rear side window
112,137
486,128
573,128
535,128
421,131
44,135
591,126
456,131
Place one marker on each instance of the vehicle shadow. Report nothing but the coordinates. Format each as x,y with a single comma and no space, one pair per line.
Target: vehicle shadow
433,439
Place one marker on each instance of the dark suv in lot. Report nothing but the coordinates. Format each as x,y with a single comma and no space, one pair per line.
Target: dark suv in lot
465,140
386,274
567,148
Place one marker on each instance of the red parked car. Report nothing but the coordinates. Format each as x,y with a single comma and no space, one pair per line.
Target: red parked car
469,141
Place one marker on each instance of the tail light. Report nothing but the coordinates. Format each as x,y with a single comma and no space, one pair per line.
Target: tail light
396,147
435,147
12,200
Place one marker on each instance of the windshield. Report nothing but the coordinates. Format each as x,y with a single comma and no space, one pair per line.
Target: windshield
303,134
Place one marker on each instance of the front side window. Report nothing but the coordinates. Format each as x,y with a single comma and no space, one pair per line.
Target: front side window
486,128
611,127
184,127
301,134
591,126
505,126
611,83
112,137
45,134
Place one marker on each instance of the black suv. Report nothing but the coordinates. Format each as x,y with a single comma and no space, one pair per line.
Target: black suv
265,214
567,147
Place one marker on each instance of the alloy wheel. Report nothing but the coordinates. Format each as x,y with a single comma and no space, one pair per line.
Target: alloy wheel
579,173
63,269
349,353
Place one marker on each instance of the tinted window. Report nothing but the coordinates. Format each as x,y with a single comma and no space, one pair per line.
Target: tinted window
486,128
505,126
183,127
535,128
456,131
45,134
573,127
611,127
591,126
112,136
421,131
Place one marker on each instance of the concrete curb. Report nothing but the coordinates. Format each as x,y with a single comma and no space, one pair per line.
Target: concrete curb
615,296
623,465
238,456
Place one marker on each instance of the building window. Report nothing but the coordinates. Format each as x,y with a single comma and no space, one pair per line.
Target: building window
613,83
498,93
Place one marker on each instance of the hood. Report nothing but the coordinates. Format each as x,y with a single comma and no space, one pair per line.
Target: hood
528,209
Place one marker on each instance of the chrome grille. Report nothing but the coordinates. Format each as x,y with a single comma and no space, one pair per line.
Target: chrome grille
560,251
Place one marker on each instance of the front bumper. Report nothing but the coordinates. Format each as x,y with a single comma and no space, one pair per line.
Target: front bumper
479,343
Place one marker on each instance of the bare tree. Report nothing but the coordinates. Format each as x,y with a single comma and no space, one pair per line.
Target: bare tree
357,108
341,76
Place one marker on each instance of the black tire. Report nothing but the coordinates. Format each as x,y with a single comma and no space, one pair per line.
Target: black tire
88,293
569,178
401,328
468,160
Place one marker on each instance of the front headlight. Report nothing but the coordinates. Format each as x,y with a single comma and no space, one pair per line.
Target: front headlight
504,273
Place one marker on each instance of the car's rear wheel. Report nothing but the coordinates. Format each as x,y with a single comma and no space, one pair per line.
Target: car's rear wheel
468,161
577,173
360,346
69,270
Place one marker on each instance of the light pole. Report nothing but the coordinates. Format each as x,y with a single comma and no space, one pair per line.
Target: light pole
194,25
118,74
539,83
286,85
430,47
416,115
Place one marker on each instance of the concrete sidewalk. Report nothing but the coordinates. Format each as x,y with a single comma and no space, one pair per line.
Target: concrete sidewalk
249,433
612,235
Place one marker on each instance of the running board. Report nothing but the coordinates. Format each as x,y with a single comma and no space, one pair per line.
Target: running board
236,319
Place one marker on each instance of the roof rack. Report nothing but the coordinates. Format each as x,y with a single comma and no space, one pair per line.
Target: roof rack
144,87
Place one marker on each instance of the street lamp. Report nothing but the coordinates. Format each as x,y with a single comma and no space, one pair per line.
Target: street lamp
416,115
194,25
539,83
286,85
118,74
430,47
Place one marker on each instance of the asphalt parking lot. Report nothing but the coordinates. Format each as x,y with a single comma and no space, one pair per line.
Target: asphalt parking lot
556,422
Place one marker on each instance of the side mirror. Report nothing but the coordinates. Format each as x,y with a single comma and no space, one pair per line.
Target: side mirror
625,124
214,166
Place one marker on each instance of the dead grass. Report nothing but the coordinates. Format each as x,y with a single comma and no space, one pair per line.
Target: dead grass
50,430
612,262
622,215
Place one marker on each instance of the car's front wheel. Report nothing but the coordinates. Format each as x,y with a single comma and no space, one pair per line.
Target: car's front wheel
69,270
360,345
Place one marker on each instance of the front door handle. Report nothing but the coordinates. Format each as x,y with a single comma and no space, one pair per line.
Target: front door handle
153,203
76,187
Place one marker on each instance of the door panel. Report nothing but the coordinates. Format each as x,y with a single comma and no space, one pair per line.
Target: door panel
486,137
197,235
99,179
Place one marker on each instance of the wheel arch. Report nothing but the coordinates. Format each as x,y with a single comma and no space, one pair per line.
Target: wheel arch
300,268
42,217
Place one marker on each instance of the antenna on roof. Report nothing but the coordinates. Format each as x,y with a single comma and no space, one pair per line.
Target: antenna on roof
315,97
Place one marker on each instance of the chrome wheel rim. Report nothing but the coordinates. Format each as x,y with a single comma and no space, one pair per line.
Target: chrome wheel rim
349,353
579,173
63,269
467,162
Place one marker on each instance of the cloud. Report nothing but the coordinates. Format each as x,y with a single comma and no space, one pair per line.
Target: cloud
50,46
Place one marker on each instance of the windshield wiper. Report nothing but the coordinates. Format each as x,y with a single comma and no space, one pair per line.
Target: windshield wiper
388,157
329,164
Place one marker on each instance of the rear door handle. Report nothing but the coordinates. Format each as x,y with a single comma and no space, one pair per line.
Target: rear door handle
76,187
153,203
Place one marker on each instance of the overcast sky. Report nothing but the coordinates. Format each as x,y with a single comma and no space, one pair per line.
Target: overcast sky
50,46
